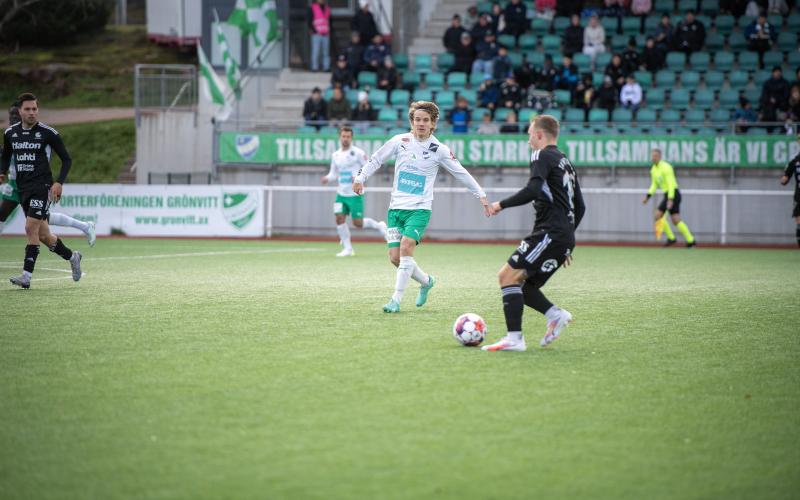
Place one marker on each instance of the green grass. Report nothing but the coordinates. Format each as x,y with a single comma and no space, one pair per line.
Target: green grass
98,150
96,71
268,371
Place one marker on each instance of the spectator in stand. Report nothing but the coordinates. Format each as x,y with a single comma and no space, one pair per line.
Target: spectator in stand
594,38
653,58
387,75
665,34
572,41
497,18
452,37
516,18
511,125
631,94
502,64
315,110
375,54
355,54
510,93
616,71
470,18
464,55
460,116
744,115
364,23
584,93
546,75
606,95
319,24
630,57
690,35
486,50
760,36
487,126
338,107
775,92
341,76
480,29
544,9
567,76
363,112
488,94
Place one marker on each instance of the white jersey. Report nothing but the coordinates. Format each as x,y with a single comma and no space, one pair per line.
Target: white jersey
415,168
345,164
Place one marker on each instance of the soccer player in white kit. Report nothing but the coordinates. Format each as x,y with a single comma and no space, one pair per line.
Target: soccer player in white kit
418,156
345,164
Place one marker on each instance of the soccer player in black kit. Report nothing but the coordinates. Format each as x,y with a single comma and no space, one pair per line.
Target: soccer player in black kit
793,169
556,195
31,142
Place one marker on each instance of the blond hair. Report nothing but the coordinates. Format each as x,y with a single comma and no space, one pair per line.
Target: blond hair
429,107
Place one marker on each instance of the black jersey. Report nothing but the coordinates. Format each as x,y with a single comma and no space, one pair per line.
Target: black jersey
31,149
793,169
555,192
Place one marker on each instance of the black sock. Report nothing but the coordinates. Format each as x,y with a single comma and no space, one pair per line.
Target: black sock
61,249
535,299
512,307
31,252
797,233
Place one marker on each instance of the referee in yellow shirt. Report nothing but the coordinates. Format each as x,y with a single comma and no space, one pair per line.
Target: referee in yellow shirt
663,177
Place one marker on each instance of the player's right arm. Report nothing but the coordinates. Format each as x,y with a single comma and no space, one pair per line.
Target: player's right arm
375,162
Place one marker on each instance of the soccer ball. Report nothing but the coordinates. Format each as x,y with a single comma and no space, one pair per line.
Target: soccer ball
469,329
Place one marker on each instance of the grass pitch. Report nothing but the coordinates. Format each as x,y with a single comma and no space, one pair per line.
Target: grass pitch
220,369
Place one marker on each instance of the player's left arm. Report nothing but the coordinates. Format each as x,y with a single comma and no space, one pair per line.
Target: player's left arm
449,161
66,163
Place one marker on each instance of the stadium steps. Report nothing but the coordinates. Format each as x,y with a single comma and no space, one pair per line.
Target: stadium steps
430,39
294,86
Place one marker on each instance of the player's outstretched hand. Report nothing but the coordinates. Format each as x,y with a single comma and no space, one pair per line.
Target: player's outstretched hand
358,188
784,180
324,179
55,192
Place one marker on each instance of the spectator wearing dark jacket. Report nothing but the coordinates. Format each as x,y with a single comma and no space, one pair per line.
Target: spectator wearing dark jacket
516,19
690,35
572,41
341,76
652,57
775,92
464,54
760,36
315,110
364,23
452,37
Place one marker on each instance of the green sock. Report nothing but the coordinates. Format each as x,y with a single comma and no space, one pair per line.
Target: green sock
684,229
667,229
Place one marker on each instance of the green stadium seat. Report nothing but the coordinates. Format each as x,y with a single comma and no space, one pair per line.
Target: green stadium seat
697,116
738,79
528,41
445,61
434,80
714,79
720,115
679,98
670,117
574,115
728,98
423,95
540,25
645,78
446,99
665,78
399,97
500,114
737,41
723,61
410,78
470,95
787,42
560,23
422,63
773,58
690,79
676,61
378,97
655,97
631,25
535,58
583,62
792,23
367,78
700,61
400,61
704,98
551,43
562,97
387,115
602,60
526,114
715,41
597,78
724,23
646,115
507,40
598,115
621,115
748,61
457,80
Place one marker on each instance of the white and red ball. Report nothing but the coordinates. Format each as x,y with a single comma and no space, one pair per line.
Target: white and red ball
469,329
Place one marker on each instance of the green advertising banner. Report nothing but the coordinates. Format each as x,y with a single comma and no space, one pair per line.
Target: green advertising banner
748,151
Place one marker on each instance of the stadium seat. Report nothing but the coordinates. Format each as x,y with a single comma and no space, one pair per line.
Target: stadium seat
367,78
704,98
724,23
387,114
728,98
696,116
620,115
715,41
714,79
378,97
434,80
410,78
583,62
560,23
527,41
400,61
551,43
748,61
535,58
423,95
646,115
723,61
645,78
670,117
445,61
500,114
470,95
773,58
738,79
700,61
676,61
399,97
655,98
665,78
562,97
422,63
690,80
787,41
720,115
457,80
598,115
446,99
679,98
574,116
737,42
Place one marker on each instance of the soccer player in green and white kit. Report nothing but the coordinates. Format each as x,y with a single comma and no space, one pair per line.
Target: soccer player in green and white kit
345,164
418,156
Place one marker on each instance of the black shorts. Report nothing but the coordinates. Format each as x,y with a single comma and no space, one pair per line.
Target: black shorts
676,204
540,256
796,211
36,202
